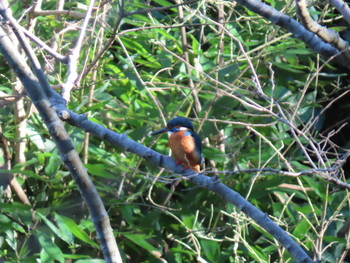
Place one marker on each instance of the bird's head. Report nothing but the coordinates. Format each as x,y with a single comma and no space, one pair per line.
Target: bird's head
178,123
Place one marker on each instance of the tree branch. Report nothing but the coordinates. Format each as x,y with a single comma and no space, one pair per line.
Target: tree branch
295,28
58,12
74,56
342,7
43,45
186,56
38,92
201,180
327,35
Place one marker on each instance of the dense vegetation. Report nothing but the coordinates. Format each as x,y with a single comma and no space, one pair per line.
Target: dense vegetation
271,111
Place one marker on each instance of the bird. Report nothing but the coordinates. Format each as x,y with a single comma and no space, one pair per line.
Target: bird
184,142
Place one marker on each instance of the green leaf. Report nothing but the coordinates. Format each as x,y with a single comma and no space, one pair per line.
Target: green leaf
287,67
90,261
214,154
53,165
141,240
50,251
100,170
255,252
64,235
62,231
211,249
298,51
302,227
35,137
163,2
127,212
77,231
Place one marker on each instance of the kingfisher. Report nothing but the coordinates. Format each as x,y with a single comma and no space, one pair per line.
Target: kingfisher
185,144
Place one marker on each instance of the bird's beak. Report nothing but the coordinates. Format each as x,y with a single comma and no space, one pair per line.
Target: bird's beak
159,131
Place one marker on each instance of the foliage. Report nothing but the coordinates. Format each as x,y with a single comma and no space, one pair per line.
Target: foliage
145,76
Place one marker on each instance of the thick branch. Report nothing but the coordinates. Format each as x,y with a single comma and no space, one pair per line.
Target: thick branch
56,128
295,28
342,7
327,35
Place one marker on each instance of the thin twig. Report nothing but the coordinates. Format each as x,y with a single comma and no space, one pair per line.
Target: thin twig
74,56
45,47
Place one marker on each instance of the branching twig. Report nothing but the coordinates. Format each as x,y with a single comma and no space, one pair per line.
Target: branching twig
6,99
91,94
198,106
44,46
109,42
74,56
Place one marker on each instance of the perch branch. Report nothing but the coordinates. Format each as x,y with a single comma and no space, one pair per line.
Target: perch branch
201,180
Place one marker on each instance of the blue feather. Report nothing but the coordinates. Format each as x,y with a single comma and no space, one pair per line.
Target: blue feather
198,142
187,133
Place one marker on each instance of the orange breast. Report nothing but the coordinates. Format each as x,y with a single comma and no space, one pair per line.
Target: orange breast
184,150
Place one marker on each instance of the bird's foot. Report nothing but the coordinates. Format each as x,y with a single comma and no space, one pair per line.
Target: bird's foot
185,166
